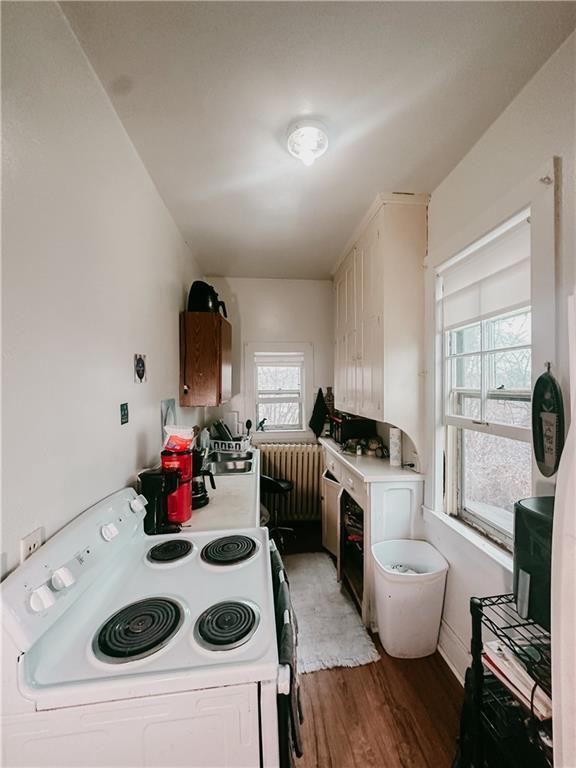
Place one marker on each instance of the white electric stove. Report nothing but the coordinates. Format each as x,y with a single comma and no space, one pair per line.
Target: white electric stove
122,649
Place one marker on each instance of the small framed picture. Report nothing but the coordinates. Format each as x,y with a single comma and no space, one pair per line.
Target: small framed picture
140,369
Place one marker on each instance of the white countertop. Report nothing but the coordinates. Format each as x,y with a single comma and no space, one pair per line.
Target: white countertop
234,504
370,468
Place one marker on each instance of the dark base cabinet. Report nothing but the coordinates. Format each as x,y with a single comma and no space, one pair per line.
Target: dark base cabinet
496,730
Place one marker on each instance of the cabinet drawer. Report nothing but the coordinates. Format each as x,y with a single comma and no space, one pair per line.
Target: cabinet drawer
354,485
333,465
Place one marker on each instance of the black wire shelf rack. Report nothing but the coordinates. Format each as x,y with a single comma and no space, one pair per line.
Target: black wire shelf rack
526,639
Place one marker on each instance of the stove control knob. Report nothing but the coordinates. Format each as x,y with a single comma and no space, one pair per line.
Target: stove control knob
41,599
62,578
139,503
109,531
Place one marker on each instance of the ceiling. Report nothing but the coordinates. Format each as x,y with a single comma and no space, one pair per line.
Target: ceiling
206,91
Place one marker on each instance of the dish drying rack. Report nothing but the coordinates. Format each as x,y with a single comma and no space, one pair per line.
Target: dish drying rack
241,443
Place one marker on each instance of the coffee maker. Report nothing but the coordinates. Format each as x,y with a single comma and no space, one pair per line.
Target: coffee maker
179,502
158,486
199,493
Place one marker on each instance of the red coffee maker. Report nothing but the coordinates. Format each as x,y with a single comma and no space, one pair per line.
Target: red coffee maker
179,503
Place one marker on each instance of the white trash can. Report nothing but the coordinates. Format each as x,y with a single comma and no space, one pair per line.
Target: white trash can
409,581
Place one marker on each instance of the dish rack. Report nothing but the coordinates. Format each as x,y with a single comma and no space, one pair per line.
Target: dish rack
241,443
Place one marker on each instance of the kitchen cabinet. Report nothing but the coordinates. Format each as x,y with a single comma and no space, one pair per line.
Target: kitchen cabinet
379,323
391,499
331,489
205,359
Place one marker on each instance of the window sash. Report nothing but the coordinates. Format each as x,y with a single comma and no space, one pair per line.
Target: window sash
280,396
279,427
484,354
489,521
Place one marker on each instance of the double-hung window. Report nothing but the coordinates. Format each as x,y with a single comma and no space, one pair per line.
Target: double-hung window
484,295
279,388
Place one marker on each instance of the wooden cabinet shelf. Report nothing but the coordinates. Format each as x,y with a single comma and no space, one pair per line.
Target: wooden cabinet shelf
205,359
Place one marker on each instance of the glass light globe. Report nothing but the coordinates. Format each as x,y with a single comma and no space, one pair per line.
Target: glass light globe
307,141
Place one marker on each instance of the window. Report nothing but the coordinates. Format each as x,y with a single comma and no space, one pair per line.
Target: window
487,380
279,389
278,386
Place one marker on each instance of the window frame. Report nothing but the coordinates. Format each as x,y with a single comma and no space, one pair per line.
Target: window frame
453,424
280,396
482,212
306,349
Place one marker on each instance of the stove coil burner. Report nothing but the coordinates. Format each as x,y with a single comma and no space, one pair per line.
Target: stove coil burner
171,550
226,625
228,550
138,630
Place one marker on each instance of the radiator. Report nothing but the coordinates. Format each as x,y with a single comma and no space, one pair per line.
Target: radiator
302,464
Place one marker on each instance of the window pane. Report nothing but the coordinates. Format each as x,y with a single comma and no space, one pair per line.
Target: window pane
517,413
467,405
511,331
466,372
496,473
272,377
465,340
510,370
280,415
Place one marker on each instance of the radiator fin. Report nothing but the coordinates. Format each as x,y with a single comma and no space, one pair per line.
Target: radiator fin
302,464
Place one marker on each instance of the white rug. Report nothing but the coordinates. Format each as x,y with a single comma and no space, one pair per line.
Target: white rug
331,633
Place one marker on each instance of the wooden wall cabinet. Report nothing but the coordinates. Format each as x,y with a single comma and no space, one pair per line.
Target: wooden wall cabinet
205,359
379,324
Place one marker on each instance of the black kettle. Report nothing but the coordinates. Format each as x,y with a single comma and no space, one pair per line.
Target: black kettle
203,298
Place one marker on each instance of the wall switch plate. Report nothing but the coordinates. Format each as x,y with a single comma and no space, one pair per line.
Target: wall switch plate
123,413
29,544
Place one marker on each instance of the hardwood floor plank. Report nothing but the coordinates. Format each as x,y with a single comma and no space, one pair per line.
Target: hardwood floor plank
395,713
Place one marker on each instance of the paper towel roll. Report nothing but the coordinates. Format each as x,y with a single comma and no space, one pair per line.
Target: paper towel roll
395,447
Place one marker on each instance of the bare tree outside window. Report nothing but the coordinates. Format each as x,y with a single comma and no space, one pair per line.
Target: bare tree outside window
279,386
488,383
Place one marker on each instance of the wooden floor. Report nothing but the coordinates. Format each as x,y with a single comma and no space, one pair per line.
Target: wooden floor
391,714
396,713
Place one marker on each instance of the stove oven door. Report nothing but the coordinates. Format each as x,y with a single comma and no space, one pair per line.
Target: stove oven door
196,729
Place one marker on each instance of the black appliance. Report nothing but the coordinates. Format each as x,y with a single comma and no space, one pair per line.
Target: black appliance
157,485
203,298
533,557
344,427
199,493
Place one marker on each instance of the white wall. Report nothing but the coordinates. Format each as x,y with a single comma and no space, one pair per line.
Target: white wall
537,125
94,270
276,310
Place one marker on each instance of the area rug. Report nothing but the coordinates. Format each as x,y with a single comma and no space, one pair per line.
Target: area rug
330,631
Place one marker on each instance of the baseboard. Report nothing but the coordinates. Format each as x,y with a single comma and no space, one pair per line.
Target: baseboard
453,651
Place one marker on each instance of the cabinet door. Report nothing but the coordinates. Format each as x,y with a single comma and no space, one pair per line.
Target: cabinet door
225,360
372,370
331,516
205,359
369,312
345,329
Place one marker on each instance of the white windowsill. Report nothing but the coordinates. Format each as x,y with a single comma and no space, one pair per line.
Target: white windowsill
504,559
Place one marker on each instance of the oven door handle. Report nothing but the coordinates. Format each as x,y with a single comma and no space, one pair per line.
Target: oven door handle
284,675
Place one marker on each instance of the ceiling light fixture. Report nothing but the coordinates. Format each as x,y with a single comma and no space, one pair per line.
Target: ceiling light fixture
307,140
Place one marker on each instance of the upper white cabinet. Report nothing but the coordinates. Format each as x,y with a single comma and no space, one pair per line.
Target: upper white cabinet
379,329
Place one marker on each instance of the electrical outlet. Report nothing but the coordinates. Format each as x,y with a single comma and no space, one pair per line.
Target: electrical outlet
29,544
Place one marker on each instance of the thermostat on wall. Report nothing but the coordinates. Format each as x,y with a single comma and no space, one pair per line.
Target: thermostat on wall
139,368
